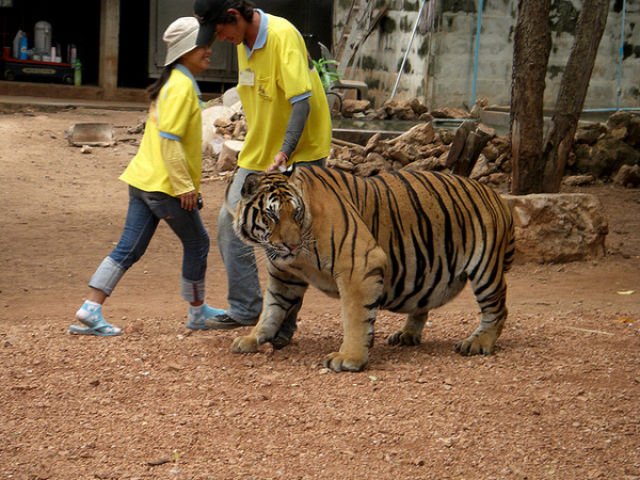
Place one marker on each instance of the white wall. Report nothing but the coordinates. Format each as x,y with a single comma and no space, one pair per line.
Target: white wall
441,59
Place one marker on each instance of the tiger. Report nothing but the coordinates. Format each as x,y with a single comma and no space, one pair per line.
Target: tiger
405,241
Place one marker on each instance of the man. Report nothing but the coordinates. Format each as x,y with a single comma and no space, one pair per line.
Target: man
288,122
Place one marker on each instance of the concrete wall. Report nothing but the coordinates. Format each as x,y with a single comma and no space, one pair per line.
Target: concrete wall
440,64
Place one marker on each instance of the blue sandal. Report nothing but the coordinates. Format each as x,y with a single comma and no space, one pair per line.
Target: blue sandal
95,323
200,320
100,329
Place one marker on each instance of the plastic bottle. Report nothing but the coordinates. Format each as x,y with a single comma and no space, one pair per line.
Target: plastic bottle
77,73
73,53
16,44
42,38
24,46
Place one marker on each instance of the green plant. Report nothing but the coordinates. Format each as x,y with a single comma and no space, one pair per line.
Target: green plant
327,69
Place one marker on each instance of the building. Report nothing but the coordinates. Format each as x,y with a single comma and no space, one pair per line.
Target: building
119,43
449,52
462,50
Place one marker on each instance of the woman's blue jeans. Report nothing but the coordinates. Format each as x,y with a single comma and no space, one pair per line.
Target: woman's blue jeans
146,209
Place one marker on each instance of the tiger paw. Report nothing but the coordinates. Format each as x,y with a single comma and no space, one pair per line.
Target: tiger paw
245,344
339,362
403,338
481,344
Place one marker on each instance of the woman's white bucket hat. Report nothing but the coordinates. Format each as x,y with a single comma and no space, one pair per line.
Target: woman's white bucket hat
180,38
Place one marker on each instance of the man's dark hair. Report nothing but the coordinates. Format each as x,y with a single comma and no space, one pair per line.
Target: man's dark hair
245,7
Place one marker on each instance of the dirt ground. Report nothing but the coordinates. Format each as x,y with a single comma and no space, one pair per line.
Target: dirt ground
560,399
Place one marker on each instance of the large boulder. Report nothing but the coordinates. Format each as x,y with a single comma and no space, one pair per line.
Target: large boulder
607,156
590,133
558,227
633,133
626,127
374,164
399,109
352,107
212,117
628,176
228,158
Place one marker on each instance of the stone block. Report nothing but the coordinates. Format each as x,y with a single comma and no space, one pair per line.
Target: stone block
558,228
228,157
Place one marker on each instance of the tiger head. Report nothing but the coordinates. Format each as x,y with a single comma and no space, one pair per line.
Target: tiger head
272,214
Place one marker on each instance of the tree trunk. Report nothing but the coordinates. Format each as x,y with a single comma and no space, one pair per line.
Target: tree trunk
531,48
573,91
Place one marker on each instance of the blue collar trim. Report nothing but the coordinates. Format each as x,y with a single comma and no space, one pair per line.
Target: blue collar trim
261,39
189,75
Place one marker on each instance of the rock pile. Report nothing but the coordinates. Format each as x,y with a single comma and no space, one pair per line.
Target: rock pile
609,151
401,110
602,151
473,147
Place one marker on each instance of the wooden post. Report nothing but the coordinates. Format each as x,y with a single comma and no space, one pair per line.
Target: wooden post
469,140
109,31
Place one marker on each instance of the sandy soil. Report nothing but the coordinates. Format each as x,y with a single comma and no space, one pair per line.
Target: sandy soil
558,400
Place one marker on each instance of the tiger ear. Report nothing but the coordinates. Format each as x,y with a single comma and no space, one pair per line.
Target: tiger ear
287,173
250,185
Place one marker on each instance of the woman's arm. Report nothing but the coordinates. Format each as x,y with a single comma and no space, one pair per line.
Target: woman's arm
174,160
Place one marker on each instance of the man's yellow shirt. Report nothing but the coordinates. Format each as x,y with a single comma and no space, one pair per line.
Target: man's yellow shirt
268,80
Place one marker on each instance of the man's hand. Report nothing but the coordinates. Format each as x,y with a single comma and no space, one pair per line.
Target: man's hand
279,163
189,200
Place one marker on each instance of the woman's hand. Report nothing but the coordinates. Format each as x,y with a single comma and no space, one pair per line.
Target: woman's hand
189,200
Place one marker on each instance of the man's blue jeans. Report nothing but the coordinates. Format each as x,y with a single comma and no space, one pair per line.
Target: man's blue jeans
244,295
146,209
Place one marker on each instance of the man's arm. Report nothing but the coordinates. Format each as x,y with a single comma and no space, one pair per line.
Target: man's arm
297,121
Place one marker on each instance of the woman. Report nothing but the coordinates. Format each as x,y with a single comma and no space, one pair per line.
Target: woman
164,182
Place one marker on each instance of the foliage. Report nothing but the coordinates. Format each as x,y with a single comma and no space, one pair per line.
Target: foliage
327,69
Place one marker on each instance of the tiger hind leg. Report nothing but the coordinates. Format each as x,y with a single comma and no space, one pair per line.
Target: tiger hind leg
411,332
492,301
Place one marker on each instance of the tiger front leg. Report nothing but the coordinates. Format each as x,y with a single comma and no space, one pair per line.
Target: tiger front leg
360,296
264,331
353,355
282,302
